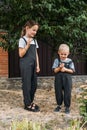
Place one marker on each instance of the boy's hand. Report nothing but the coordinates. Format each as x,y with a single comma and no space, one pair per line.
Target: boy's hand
61,65
63,69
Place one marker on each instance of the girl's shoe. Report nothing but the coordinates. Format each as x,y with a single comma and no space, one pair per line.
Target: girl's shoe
35,105
31,108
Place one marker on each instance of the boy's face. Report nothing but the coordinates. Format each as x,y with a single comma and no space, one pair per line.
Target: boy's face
63,54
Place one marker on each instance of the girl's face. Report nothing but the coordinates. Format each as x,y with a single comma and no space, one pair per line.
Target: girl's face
63,54
31,32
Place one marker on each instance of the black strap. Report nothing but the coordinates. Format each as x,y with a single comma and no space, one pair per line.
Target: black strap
24,40
69,62
34,41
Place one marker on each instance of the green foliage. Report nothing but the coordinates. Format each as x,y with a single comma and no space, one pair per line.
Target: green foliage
83,101
60,21
7,42
29,125
26,125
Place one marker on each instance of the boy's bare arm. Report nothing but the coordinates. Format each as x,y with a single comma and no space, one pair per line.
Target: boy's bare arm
56,70
64,69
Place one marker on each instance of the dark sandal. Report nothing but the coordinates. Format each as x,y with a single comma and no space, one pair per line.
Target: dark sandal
31,108
27,108
36,106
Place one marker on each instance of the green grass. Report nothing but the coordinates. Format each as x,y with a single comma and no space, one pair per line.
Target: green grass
26,125
29,125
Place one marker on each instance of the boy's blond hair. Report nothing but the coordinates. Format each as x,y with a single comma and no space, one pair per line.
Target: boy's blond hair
63,47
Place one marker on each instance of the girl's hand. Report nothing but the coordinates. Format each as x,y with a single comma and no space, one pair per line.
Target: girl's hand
29,40
28,44
37,69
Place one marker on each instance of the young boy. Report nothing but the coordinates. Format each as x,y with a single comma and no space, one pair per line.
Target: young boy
63,67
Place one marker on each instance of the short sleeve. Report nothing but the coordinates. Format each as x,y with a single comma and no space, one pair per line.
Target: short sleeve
22,43
72,66
37,46
55,64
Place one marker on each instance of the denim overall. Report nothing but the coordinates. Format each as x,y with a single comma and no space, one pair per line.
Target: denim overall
28,74
63,86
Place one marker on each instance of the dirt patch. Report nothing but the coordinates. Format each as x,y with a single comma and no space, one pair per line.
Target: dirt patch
11,108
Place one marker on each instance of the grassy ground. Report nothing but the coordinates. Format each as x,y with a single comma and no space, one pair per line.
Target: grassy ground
11,109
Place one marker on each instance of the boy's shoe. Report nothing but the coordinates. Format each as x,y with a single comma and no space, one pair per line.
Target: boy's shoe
67,110
57,109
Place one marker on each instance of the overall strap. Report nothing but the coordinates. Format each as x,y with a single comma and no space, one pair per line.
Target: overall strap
58,58
34,41
66,64
24,40
70,62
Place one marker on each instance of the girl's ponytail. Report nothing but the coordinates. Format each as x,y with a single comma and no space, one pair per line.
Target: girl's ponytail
23,32
29,24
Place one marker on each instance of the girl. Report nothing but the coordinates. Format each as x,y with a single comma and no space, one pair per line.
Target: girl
29,64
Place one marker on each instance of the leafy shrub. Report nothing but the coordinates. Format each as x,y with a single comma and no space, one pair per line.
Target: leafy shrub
26,125
29,125
83,101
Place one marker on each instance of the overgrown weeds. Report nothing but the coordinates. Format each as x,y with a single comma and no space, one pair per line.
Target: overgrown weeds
82,99
26,125
29,125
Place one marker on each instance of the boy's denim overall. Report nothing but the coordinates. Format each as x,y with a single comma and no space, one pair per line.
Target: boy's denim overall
63,85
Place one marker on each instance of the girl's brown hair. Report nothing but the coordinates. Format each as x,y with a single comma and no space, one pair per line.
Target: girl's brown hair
29,24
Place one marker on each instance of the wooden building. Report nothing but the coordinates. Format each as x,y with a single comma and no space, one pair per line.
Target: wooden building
46,60
9,62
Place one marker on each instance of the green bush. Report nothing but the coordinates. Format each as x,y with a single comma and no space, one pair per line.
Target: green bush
61,21
26,125
83,101
29,125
